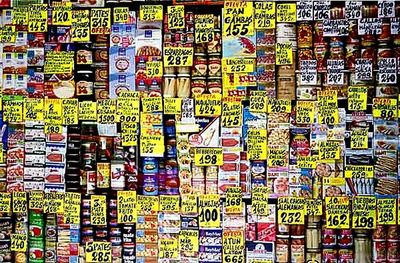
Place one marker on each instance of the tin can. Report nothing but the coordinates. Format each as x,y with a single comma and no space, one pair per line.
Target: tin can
385,36
329,255
328,238
198,86
36,224
214,66
199,68
214,85
304,35
36,251
393,250
313,256
393,232
345,256
313,237
379,250
352,53
337,12
379,233
297,251
320,52
282,248
345,238
385,52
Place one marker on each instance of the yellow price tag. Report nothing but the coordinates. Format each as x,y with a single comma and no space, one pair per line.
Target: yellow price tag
106,111
126,204
232,112
384,108
36,200
328,115
209,211
80,29
154,69
20,15
234,203
37,18
100,21
168,248
152,104
172,106
54,202
357,98
291,210
151,12
128,109
258,102
286,13
208,105
279,106
329,150
337,212
53,111
238,19
233,246
309,162
61,13
386,208
178,56
364,212
189,240
129,133
19,202
176,17
13,110
284,54
259,200
305,112
5,202
359,171
72,208
19,242
238,65
70,111
98,210
208,156
50,128
189,204
264,15
278,157
152,145
33,109
359,139
204,28
96,252
313,207
8,34
87,110
256,146
121,15
169,203
147,205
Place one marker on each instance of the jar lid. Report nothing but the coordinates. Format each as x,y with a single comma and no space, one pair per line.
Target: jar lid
214,78
198,78
201,54
298,237
183,75
169,75
282,236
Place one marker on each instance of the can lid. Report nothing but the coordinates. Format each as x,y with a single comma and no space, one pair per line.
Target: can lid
298,237
183,75
282,236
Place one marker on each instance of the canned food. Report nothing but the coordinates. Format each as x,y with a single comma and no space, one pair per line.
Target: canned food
320,52
214,85
304,35
346,256
393,250
282,248
297,249
385,36
345,238
198,86
393,232
379,250
313,237
329,255
214,66
313,256
379,233
328,238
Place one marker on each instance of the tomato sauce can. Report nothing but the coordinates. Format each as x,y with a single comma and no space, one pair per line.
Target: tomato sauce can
393,250
379,250
346,256
329,255
345,238
329,238
313,255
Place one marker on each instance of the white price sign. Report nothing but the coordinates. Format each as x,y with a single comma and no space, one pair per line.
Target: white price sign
304,11
395,25
336,27
322,9
308,72
387,73
353,9
386,8
335,72
369,26
363,69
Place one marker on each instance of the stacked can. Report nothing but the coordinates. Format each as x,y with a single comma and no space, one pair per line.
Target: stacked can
88,160
72,174
114,231
265,51
100,67
313,239
286,33
35,149
84,73
386,244
146,236
337,245
15,162
177,79
87,232
362,246
68,238
128,243
6,228
36,234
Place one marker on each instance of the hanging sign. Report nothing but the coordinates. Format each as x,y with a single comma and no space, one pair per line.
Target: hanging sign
209,211
80,26
264,15
291,210
364,212
337,212
100,21
98,210
238,18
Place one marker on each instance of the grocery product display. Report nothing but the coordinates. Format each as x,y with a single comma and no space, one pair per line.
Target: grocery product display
199,131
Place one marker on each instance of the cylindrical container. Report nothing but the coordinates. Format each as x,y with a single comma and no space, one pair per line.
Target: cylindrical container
328,238
198,86
320,52
393,250
379,250
304,35
393,232
297,251
214,66
352,53
169,87
282,249
329,255
313,237
385,36
345,255
379,233
314,255
199,68
285,30
362,249
214,85
345,238
183,85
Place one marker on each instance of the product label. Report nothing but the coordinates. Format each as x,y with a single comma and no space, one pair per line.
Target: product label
129,133
364,212
33,109
87,110
54,203
37,18
106,111
238,65
168,248
233,204
309,162
386,8
154,69
305,112
337,212
172,106
204,28
313,207
353,10
238,18
335,27
70,111
208,156
178,56
359,139
304,10
100,21
19,242
291,210
98,252
232,112
259,200
98,210
147,204
387,71
386,208
209,211
369,26
322,9
176,17
329,150
279,106
357,98
264,15
208,105
258,101
363,69
59,62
